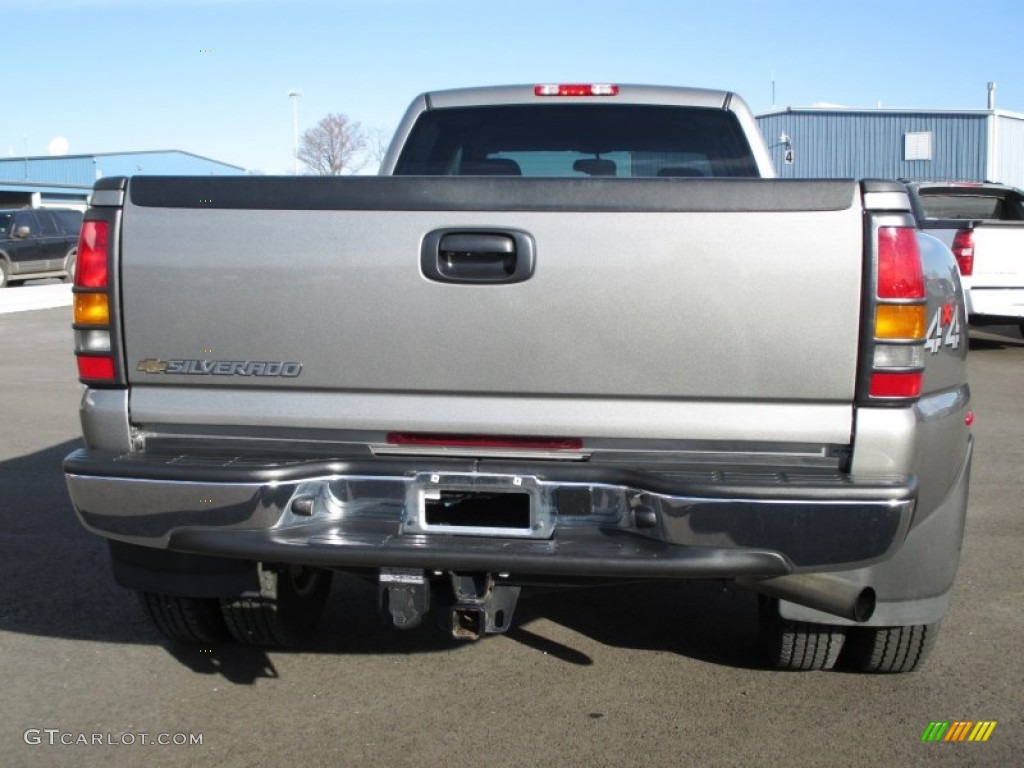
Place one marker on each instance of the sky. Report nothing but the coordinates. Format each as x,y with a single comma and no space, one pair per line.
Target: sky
212,77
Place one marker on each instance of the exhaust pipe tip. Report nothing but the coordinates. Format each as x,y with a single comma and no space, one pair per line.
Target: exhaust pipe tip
863,607
820,591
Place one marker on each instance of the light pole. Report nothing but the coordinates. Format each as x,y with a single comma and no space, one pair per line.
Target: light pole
295,94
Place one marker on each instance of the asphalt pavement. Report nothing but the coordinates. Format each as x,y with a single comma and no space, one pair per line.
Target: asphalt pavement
662,675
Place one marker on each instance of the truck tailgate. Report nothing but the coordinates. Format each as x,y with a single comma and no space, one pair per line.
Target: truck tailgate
998,255
665,292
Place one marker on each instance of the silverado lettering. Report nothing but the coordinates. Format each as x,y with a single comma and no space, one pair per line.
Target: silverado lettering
220,367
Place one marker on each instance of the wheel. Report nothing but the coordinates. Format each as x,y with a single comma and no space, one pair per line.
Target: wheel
185,619
5,274
797,645
285,612
69,265
890,649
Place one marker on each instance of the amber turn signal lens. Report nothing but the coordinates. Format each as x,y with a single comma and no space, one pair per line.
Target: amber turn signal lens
92,309
900,321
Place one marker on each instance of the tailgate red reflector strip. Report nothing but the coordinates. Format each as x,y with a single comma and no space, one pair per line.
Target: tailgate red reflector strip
486,441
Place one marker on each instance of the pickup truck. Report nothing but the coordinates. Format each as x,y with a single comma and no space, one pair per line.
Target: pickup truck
983,225
571,335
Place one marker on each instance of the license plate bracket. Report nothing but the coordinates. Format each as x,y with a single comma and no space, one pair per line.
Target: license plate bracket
478,505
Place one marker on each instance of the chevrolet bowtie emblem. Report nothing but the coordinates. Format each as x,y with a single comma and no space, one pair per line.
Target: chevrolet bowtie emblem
151,365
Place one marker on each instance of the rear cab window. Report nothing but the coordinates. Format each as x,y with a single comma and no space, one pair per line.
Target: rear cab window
625,141
972,203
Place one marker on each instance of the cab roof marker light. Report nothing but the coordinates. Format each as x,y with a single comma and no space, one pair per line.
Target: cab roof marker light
576,89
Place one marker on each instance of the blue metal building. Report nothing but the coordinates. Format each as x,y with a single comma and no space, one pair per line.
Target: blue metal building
67,180
967,145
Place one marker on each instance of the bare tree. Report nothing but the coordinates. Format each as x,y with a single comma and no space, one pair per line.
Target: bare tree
377,142
334,146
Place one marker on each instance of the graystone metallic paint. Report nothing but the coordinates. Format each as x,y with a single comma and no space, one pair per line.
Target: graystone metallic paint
626,417
655,322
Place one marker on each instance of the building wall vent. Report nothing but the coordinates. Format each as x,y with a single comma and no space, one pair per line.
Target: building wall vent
917,145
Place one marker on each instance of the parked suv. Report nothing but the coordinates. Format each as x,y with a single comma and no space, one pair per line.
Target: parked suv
38,242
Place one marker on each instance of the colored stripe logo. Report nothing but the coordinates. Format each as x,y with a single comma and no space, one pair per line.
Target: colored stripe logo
959,730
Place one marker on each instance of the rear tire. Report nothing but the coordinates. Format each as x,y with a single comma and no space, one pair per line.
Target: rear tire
890,650
5,274
286,610
797,645
185,619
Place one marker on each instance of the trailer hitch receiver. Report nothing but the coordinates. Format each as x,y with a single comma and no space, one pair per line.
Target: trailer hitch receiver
481,606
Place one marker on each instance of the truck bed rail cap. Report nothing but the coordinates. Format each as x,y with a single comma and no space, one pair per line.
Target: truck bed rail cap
449,193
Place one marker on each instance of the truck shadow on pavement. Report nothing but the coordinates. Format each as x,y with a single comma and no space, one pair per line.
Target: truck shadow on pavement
58,580
698,620
994,337
59,584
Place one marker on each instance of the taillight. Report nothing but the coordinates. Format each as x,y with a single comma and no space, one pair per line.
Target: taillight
91,263
92,306
899,264
576,89
963,250
900,322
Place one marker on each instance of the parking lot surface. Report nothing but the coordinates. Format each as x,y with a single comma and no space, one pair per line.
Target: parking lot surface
629,676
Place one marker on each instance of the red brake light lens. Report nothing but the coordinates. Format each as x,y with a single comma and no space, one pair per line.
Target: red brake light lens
91,264
963,250
576,89
899,264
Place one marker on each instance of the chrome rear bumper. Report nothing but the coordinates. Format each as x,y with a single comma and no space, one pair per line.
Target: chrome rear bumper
584,522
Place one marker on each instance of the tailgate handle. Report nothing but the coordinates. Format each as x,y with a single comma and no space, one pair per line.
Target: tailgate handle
488,257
